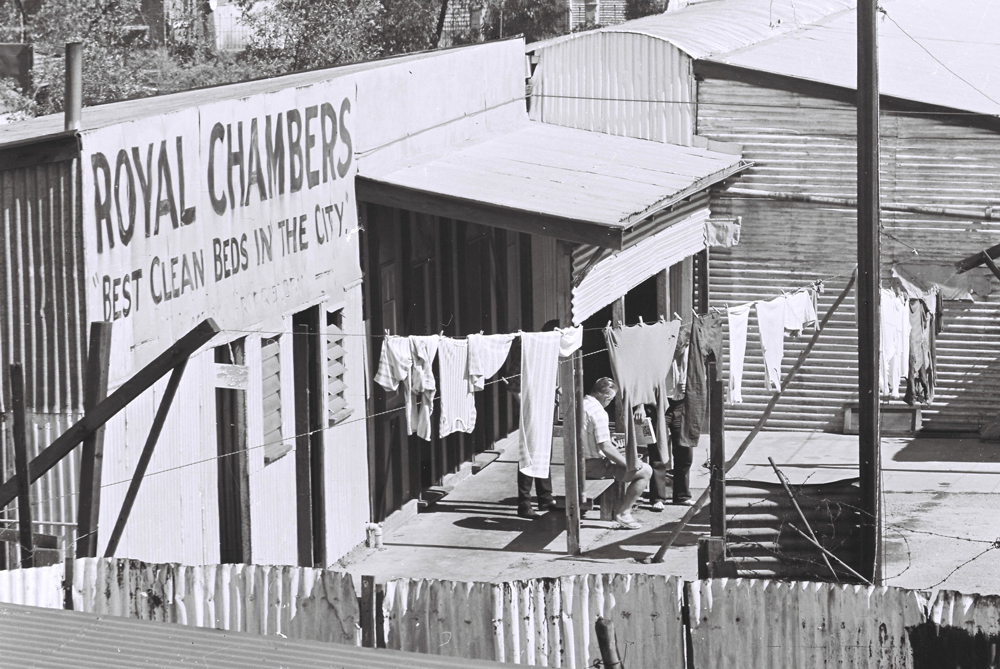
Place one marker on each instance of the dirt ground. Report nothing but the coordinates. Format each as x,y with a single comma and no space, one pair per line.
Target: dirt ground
941,501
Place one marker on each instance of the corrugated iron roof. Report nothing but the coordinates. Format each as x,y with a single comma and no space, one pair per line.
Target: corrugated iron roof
576,175
707,27
933,52
54,638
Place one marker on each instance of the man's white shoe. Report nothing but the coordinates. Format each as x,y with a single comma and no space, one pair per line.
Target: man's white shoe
627,522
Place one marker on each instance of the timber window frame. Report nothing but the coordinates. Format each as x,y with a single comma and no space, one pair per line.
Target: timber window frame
338,407
274,444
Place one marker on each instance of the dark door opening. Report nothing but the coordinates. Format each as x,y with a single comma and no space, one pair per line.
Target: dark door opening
233,475
307,363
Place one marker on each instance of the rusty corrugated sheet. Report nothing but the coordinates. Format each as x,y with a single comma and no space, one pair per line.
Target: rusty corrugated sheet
296,602
548,622
41,586
43,326
618,83
45,639
762,543
807,145
42,323
744,624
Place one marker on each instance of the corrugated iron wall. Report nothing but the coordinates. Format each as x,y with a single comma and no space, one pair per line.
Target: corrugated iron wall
618,83
546,622
807,145
42,326
41,586
738,623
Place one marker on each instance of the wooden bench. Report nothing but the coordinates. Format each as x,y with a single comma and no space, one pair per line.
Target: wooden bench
897,420
604,493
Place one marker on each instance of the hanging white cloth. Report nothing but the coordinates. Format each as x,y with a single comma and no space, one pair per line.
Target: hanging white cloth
458,405
800,310
540,352
739,318
771,325
487,353
420,399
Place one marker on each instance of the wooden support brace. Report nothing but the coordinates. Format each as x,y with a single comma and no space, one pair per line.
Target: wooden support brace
118,400
368,610
91,462
21,466
145,457
717,452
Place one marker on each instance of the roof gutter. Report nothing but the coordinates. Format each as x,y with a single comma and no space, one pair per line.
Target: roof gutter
986,214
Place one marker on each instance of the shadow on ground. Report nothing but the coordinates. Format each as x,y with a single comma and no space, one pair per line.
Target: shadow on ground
923,449
639,545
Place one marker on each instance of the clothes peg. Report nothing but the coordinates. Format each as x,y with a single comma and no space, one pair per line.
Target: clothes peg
387,332
640,321
677,316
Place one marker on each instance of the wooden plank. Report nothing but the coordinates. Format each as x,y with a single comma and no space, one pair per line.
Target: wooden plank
567,381
717,451
703,281
497,216
977,259
21,466
145,456
59,147
118,400
663,294
91,463
368,611
39,541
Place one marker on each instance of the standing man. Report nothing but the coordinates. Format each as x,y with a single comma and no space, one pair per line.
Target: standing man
603,459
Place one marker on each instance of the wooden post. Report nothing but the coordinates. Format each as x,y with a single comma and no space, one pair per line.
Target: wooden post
663,294
606,642
717,453
581,457
869,260
118,400
92,457
145,457
368,611
703,282
21,465
571,462
618,320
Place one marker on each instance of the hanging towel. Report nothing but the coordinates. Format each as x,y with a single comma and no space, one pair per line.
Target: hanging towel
394,365
771,325
458,405
539,373
920,377
420,399
641,359
739,318
800,310
487,354
571,340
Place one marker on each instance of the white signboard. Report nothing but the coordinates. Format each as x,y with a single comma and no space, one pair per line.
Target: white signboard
239,211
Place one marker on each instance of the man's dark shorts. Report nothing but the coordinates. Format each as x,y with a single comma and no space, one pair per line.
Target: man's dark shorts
602,468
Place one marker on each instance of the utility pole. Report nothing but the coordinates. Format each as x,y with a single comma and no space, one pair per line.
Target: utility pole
869,255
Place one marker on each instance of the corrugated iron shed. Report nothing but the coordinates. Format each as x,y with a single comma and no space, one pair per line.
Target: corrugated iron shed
708,27
937,53
42,638
585,179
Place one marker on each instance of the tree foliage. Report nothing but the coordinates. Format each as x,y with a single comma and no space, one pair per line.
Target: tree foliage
535,19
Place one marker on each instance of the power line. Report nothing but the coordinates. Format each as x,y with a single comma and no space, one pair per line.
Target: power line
936,59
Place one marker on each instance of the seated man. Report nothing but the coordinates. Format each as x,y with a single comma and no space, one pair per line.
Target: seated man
604,461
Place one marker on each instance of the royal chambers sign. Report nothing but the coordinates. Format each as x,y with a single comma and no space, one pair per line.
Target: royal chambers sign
238,210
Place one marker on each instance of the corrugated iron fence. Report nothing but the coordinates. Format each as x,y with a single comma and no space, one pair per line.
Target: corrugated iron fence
546,622
659,620
296,602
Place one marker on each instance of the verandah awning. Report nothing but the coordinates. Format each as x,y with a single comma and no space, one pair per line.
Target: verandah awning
575,185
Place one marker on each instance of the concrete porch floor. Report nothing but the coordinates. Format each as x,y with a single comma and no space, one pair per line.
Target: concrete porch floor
942,507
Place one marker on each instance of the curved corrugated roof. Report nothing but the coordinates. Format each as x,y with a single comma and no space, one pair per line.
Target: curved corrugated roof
929,51
708,27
